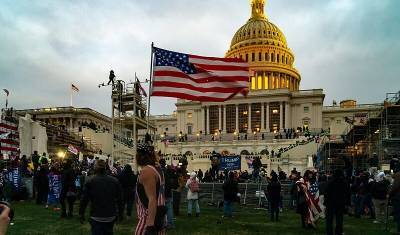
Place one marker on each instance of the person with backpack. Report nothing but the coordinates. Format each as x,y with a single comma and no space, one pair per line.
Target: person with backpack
379,191
231,190
192,184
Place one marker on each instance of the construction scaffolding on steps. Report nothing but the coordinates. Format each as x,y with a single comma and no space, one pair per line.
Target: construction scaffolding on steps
128,116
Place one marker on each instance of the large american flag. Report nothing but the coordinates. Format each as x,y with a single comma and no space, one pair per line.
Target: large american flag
198,78
9,137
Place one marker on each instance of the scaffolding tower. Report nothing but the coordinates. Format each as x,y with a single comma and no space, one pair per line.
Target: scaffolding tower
128,116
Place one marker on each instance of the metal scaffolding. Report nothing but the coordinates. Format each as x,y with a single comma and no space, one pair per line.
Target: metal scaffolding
128,116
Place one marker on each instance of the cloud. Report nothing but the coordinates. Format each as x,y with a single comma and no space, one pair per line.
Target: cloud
348,48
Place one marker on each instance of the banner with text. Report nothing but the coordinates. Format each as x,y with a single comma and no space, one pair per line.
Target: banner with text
230,163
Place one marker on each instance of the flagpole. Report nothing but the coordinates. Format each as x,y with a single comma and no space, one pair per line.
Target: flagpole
70,90
150,85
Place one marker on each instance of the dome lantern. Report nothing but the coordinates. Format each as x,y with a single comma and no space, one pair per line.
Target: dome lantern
257,9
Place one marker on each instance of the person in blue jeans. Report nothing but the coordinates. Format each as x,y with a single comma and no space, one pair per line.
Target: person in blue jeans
231,190
192,185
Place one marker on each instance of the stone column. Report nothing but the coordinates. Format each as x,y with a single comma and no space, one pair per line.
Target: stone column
224,121
249,118
287,116
71,125
202,127
237,119
267,124
262,117
219,117
281,115
208,120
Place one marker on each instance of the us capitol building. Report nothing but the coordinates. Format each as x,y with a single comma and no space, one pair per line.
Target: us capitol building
249,125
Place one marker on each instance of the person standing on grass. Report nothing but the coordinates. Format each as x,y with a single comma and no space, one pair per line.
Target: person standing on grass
192,185
231,190
42,184
379,193
394,196
150,200
127,179
335,200
105,196
68,191
274,196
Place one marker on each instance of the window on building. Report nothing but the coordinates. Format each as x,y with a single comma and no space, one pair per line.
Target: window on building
277,58
189,130
189,115
338,121
247,57
275,111
273,57
253,56
166,129
306,109
266,57
306,122
259,56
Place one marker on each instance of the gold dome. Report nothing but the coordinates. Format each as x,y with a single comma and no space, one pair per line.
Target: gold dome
264,46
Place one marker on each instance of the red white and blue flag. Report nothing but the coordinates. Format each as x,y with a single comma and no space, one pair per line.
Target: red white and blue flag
198,78
72,149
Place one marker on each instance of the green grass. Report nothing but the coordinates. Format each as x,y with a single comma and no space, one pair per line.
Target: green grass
31,219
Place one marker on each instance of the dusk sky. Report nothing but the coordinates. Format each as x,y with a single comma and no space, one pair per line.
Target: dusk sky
349,48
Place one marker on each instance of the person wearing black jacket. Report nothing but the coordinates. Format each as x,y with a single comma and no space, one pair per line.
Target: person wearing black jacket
42,184
336,200
68,191
171,183
231,190
127,180
105,197
274,196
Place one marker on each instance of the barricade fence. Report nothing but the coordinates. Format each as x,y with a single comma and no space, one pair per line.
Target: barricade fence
251,194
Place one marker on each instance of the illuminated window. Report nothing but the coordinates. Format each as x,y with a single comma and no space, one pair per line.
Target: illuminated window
306,109
253,83
259,81
189,115
275,111
287,82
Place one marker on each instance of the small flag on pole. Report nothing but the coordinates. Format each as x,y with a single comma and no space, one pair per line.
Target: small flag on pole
142,90
7,92
74,88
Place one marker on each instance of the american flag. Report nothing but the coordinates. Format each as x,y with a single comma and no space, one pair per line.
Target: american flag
198,78
72,149
9,140
314,211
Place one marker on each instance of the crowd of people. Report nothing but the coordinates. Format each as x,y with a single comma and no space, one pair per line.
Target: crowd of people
111,190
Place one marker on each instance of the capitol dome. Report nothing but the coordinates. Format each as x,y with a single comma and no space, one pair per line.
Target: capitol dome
264,46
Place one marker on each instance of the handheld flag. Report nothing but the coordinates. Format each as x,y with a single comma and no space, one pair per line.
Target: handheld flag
142,90
72,149
198,78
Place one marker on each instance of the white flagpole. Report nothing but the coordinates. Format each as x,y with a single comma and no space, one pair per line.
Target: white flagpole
70,90
150,85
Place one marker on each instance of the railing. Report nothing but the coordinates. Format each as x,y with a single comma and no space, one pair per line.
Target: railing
252,194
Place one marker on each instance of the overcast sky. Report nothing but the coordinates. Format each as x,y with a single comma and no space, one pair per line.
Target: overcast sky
349,48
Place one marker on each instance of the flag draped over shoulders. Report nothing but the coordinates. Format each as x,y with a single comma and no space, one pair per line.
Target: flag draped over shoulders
311,193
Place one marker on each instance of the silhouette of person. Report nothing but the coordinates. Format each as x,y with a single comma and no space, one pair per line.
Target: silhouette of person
111,78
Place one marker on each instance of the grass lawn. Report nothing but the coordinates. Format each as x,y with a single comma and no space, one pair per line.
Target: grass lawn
36,220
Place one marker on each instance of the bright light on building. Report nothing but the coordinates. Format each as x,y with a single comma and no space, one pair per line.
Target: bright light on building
61,154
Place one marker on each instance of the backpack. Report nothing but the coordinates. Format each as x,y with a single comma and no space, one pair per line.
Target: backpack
194,186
